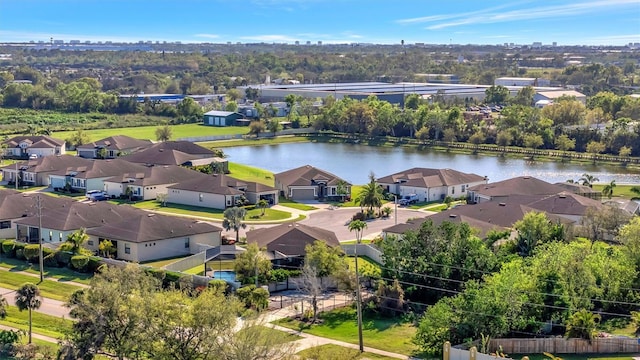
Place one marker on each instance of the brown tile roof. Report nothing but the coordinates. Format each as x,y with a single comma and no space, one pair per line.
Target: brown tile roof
255,187
67,216
576,188
151,227
212,184
51,163
102,169
117,142
523,185
156,175
156,156
414,225
426,178
305,175
565,203
14,205
290,239
186,147
39,141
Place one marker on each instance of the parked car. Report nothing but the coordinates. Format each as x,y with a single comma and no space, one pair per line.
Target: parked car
33,156
408,199
96,195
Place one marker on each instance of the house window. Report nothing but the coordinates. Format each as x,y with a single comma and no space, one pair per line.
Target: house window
200,197
127,249
186,243
462,187
333,191
60,237
5,224
453,190
90,242
50,236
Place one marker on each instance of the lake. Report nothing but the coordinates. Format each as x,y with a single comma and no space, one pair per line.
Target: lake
354,162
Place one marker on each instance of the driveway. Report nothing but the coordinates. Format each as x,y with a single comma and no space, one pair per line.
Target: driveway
337,220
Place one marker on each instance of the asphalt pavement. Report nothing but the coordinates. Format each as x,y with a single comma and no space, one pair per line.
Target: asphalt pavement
49,306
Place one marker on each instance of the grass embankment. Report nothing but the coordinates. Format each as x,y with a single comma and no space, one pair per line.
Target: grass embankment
332,351
249,141
43,324
62,274
253,215
621,190
378,332
149,132
576,356
250,173
48,288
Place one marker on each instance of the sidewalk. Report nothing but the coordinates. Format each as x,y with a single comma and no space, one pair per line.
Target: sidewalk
85,286
34,335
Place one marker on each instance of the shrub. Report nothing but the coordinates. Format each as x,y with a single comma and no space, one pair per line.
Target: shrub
63,258
20,254
50,260
9,248
359,216
94,264
219,285
254,298
32,252
79,262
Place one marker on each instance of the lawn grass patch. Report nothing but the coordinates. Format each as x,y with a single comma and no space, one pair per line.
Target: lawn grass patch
49,289
62,274
43,324
576,356
381,333
621,191
252,141
251,174
253,215
164,262
332,351
355,191
295,205
149,132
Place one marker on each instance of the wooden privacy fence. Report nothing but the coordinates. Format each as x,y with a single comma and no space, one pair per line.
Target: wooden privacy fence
566,346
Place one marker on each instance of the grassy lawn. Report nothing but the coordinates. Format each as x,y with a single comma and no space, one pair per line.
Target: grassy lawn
331,351
160,263
49,289
380,333
254,141
623,191
366,266
253,215
43,324
250,173
295,205
149,132
355,191
63,274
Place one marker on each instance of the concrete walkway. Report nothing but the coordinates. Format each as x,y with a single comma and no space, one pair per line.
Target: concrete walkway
34,335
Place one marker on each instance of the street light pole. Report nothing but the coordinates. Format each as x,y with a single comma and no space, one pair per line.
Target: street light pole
38,200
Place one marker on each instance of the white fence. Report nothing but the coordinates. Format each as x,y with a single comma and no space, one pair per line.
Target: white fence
367,250
187,263
567,346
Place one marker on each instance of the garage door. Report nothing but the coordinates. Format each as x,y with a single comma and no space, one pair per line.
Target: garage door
303,194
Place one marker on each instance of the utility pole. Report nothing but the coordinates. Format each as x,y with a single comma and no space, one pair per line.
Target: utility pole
395,206
38,200
16,179
358,291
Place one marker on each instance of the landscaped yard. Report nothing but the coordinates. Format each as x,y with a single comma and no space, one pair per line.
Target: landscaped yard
149,132
64,274
623,191
250,173
251,141
331,351
44,324
366,266
48,288
295,205
253,215
381,333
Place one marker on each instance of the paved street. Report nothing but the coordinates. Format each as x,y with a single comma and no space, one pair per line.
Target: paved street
49,306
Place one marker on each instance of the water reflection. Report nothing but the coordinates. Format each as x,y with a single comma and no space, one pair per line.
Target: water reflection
354,162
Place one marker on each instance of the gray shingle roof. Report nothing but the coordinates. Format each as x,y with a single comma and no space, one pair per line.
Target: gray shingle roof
523,185
117,142
156,175
39,141
427,178
290,239
305,175
212,184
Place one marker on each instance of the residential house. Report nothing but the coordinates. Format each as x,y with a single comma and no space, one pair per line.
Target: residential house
111,147
212,191
147,184
630,206
221,118
40,145
523,185
482,227
581,190
183,153
148,236
255,192
288,241
36,172
15,205
430,184
553,95
310,183
91,176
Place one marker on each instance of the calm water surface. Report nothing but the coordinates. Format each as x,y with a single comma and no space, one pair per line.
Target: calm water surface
354,162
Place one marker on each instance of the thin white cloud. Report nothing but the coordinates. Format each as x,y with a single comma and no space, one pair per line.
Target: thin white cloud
269,38
432,18
207,36
535,13
617,38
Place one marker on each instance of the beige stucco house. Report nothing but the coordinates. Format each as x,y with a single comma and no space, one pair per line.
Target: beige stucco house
430,184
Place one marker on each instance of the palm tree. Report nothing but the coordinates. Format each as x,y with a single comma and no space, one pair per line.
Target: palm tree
358,227
234,219
75,241
588,180
636,190
28,298
582,324
371,195
608,189
3,307
262,204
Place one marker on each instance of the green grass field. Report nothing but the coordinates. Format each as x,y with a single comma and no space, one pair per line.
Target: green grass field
253,141
48,288
149,132
63,274
43,324
295,205
253,215
380,333
331,351
622,191
250,173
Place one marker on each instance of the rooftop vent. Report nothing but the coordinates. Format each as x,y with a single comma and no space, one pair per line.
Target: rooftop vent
562,196
502,204
453,216
150,215
526,177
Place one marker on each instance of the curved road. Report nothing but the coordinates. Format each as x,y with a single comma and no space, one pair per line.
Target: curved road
49,306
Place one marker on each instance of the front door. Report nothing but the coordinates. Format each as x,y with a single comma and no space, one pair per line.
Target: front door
34,234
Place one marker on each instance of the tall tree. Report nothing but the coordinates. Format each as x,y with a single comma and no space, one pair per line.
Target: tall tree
564,143
163,133
370,195
75,242
582,325
262,204
496,94
588,180
535,229
28,298
608,189
234,219
251,265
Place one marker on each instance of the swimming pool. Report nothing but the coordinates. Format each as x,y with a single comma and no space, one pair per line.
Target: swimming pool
225,275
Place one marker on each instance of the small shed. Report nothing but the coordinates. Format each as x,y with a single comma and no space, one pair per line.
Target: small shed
221,118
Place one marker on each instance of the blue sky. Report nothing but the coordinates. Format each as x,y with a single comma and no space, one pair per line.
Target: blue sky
588,22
